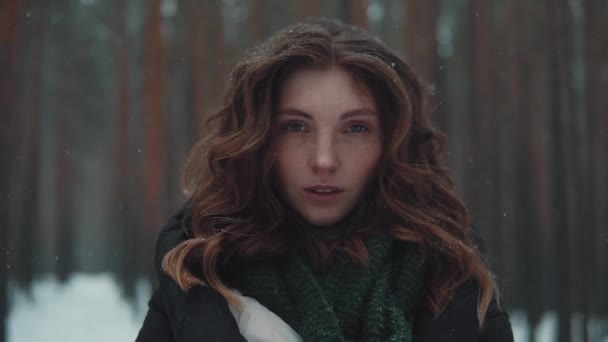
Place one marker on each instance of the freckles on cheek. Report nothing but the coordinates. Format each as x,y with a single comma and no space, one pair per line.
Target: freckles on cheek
286,152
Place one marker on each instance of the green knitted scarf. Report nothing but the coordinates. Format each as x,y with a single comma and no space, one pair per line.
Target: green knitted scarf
347,302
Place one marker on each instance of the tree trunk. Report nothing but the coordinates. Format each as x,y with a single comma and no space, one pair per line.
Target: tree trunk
596,55
561,106
358,12
420,38
255,21
420,31
216,68
155,120
485,127
189,62
63,177
10,12
536,227
510,112
199,62
307,8
123,234
455,88
24,181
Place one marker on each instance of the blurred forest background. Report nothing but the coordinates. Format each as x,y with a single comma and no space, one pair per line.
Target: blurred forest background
100,102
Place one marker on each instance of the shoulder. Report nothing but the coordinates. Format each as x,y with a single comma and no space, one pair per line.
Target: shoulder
458,322
200,312
177,229
497,326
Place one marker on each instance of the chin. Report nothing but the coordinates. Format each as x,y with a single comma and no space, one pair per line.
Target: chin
323,221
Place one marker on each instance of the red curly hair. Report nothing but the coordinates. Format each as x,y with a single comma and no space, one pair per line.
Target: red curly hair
235,210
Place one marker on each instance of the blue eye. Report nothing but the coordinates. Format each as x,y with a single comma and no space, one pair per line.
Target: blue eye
357,129
294,127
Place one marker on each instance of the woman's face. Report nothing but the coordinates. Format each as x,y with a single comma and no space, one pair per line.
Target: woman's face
328,142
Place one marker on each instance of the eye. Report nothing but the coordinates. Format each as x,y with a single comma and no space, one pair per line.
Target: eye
293,127
357,128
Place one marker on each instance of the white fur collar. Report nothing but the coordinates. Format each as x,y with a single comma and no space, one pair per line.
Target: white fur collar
258,324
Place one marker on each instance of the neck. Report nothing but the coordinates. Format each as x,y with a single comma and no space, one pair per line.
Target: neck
341,230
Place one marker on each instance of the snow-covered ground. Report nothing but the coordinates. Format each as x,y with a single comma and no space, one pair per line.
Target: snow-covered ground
86,308
91,308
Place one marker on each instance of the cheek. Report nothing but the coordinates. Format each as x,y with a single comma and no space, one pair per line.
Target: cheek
365,161
286,161
367,165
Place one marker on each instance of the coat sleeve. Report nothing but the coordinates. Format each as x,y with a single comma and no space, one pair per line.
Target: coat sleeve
458,322
199,314
156,326
497,327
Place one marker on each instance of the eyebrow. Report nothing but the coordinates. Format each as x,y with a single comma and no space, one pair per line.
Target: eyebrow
346,115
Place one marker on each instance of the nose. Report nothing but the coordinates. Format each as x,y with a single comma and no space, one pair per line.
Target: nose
324,157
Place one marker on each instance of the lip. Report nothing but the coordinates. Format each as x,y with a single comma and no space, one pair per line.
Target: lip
320,197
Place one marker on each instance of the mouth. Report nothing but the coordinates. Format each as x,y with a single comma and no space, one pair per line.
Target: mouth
323,194
323,190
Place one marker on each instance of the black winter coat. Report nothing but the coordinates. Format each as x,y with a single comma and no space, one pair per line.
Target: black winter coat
202,314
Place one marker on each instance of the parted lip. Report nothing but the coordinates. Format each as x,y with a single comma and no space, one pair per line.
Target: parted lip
323,187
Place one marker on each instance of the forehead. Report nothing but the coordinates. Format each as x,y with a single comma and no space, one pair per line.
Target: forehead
320,91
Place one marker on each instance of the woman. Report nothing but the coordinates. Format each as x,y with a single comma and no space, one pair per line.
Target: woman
320,209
